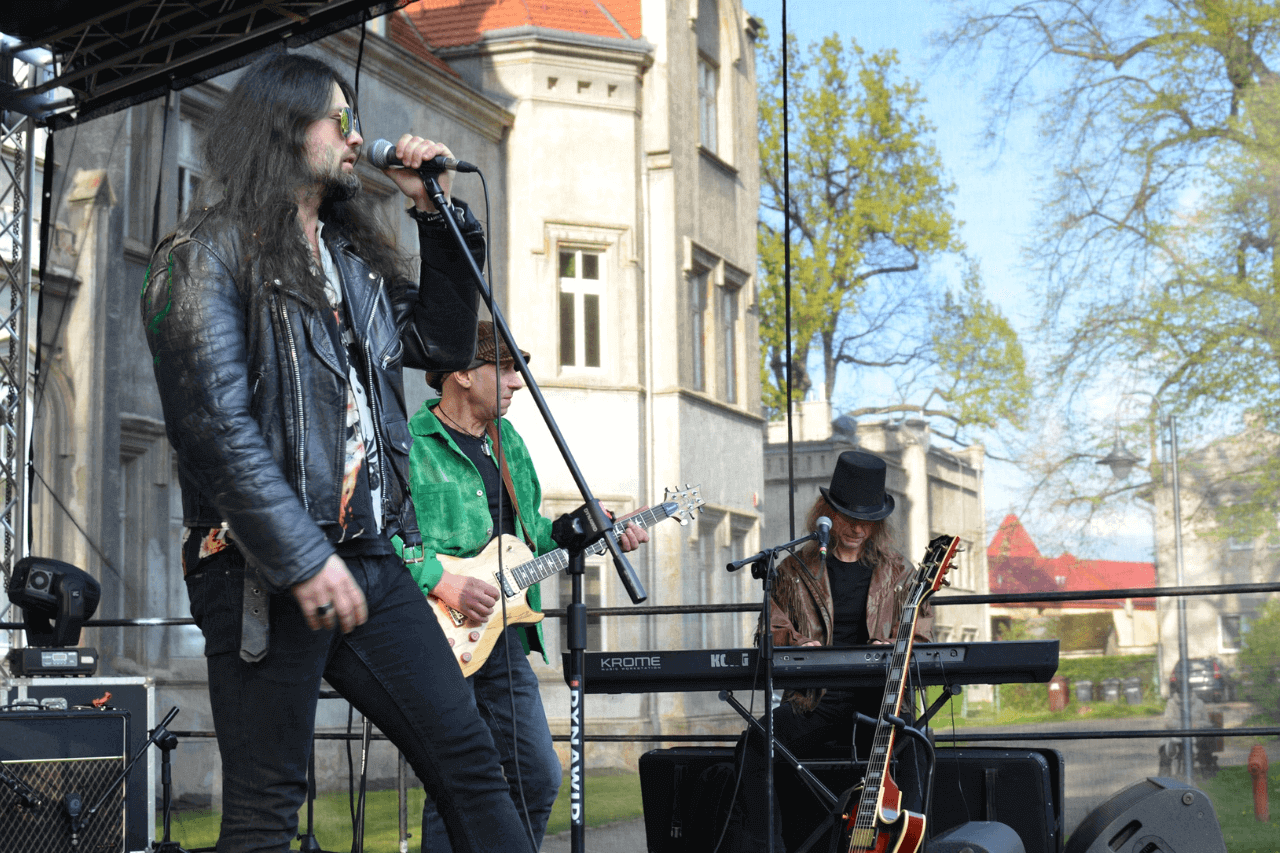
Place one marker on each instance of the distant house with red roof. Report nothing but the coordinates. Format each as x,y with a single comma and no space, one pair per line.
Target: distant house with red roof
1111,625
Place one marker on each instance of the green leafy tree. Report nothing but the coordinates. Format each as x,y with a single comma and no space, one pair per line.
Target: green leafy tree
1157,251
1259,660
869,208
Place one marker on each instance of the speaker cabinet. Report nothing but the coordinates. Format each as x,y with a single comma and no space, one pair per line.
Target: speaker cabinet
685,792
63,756
1156,815
1021,788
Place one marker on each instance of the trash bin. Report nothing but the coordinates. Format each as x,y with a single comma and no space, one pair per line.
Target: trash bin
1084,691
1058,695
1133,690
1110,690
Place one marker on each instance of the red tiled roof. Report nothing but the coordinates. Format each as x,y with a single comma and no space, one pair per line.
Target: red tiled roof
1012,540
405,32
450,23
1015,565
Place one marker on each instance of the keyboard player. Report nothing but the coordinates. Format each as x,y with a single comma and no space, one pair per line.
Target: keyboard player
852,599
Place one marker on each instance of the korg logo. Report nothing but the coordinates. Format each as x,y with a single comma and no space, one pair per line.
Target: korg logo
724,660
630,662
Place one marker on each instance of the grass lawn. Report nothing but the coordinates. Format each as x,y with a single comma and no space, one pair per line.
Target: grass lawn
610,796
1232,794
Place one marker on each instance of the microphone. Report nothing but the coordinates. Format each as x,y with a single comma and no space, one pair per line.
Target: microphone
824,534
382,155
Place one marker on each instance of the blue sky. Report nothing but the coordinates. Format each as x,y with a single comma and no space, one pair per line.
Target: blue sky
995,199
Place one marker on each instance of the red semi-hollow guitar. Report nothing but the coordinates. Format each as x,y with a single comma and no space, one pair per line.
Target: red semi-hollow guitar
879,824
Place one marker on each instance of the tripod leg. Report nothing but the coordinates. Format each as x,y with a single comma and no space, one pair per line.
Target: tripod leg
308,841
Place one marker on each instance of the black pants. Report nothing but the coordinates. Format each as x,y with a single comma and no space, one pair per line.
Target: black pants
396,669
810,735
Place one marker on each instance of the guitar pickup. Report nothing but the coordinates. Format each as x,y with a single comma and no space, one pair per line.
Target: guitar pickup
508,587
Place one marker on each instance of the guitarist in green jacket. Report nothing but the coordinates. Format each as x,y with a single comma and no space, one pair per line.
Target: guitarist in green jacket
455,483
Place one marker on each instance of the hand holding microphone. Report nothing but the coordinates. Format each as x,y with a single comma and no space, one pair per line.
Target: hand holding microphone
382,155
410,160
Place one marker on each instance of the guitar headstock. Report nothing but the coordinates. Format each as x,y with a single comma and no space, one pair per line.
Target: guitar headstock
937,560
688,503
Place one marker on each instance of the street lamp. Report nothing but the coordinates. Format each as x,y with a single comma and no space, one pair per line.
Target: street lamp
1121,462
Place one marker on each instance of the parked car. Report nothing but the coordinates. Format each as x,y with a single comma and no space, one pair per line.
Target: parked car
1207,678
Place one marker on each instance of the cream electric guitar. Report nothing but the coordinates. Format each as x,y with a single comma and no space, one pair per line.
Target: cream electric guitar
472,642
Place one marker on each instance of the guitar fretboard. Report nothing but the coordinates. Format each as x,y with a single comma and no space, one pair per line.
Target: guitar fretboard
527,574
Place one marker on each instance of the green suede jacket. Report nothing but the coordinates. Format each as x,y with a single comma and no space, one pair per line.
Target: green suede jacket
453,510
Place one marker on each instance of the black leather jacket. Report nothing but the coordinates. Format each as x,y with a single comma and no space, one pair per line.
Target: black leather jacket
256,410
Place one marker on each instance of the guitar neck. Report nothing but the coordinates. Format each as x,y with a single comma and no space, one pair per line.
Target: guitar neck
527,574
890,705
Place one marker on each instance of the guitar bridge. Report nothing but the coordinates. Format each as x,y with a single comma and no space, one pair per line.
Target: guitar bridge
457,618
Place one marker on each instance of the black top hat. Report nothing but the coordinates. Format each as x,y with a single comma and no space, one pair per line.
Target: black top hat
857,487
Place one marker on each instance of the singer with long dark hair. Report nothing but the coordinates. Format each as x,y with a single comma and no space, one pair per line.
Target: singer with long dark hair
853,598
279,319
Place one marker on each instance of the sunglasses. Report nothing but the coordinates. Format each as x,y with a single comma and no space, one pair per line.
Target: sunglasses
348,122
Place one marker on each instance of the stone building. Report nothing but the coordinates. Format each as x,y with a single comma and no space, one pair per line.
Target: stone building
618,141
1211,480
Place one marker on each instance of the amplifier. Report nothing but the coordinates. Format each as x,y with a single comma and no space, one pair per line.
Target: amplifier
685,792
135,694
55,758
1021,788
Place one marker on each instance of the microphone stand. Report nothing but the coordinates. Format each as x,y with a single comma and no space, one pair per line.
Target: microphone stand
602,527
764,568
163,738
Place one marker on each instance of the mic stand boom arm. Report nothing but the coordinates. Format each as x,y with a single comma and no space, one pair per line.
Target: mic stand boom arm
630,580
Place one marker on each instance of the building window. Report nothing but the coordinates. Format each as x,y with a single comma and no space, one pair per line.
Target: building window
1232,630
729,340
189,176
581,314
698,329
140,185
968,635
708,82
941,633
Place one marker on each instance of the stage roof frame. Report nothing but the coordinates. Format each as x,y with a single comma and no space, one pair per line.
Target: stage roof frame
130,51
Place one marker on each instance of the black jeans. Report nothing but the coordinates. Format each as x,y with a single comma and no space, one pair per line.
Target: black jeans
535,779
396,669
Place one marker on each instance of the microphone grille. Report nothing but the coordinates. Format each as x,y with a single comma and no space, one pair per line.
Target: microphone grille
380,153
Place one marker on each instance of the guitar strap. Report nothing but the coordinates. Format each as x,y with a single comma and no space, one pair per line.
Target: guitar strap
492,429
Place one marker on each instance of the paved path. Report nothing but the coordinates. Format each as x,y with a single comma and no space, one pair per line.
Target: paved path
624,837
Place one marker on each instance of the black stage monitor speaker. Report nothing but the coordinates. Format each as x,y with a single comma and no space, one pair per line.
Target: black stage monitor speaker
686,793
1156,815
53,762
1018,787
979,836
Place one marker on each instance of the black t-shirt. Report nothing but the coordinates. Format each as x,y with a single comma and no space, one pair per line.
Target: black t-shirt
480,451
850,584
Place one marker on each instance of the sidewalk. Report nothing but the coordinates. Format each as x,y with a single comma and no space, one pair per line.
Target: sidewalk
625,837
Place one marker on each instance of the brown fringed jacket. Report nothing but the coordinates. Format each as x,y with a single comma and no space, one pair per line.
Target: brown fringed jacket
803,609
